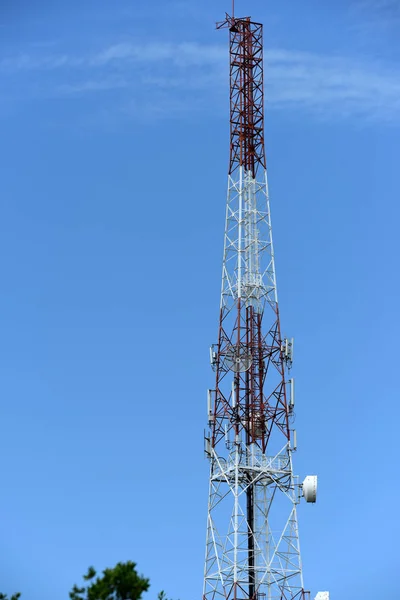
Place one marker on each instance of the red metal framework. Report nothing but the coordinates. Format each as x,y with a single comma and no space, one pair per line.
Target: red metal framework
246,94
256,408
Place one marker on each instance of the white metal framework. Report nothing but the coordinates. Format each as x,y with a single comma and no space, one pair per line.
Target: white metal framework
248,263
237,466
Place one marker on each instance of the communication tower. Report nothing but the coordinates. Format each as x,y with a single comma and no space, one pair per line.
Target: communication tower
252,545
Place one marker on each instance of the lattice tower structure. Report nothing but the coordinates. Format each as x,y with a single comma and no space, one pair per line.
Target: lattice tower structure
252,545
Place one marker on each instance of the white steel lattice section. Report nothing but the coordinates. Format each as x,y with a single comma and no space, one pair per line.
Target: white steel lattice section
252,548
248,262
277,570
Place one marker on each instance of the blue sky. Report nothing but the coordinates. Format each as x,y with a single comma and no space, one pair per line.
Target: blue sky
114,121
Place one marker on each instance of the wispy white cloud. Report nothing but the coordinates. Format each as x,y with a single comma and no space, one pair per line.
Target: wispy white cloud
28,62
181,55
196,75
383,6
332,85
375,17
91,86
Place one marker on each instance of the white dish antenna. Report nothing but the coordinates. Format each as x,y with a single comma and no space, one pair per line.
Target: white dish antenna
238,359
310,494
322,596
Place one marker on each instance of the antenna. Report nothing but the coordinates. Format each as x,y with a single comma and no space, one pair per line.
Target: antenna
238,360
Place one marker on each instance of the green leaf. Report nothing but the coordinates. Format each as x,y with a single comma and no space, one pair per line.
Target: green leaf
90,574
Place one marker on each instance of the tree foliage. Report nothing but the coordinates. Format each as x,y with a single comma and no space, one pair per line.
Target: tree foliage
120,583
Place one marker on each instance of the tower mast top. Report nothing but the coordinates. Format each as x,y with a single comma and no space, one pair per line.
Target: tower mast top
246,94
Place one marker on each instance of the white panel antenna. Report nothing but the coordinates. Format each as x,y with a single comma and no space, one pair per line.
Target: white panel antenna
310,493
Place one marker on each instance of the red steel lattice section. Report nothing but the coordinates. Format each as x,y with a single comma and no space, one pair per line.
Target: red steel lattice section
246,94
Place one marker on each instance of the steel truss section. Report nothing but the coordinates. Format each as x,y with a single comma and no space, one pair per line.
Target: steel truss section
275,566
246,94
252,547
